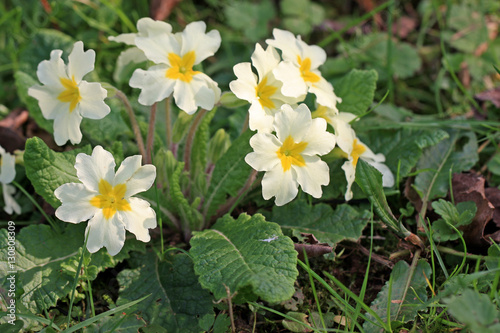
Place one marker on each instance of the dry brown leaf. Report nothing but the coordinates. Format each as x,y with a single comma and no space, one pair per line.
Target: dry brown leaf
161,9
313,247
470,187
403,26
492,95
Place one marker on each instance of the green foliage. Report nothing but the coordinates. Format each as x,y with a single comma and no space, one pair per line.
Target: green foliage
41,275
404,294
321,220
475,310
250,18
229,176
356,89
459,215
455,154
47,170
404,147
300,16
200,147
178,303
248,255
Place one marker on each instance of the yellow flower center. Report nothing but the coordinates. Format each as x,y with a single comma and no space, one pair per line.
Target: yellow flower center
321,112
181,68
264,92
70,94
110,199
305,70
357,151
289,153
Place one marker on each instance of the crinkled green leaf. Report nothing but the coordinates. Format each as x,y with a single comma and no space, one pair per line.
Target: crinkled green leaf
47,170
178,303
475,310
230,174
459,215
42,43
404,302
403,147
457,153
40,255
23,83
327,224
248,255
356,89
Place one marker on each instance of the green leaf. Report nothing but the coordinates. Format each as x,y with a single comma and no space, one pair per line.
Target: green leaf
475,310
230,175
178,302
40,254
248,255
370,181
456,154
23,83
403,147
457,216
328,225
407,290
200,146
301,15
251,18
356,89
42,43
47,170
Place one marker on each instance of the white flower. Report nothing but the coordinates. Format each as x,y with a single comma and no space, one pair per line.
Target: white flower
146,27
65,97
299,70
354,149
263,92
175,56
106,199
7,175
290,158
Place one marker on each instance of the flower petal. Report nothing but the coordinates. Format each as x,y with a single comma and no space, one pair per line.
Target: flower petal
91,169
324,93
154,84
137,178
292,122
50,71
195,39
76,206
202,92
265,61
11,205
319,141
149,27
67,127
157,47
139,219
244,87
293,83
109,233
80,62
7,167
279,184
92,100
50,106
350,176
264,157
313,175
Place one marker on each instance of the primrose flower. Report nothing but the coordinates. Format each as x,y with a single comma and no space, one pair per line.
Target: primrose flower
299,70
7,175
263,92
290,157
354,150
106,199
175,56
146,27
65,97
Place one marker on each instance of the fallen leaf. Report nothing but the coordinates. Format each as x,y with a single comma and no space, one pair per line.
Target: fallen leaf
493,196
403,26
313,247
161,9
470,187
492,96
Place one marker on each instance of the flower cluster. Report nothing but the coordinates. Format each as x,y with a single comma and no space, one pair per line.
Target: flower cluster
174,56
288,142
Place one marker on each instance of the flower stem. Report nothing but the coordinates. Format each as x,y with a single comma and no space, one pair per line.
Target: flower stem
168,120
190,138
133,122
151,133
